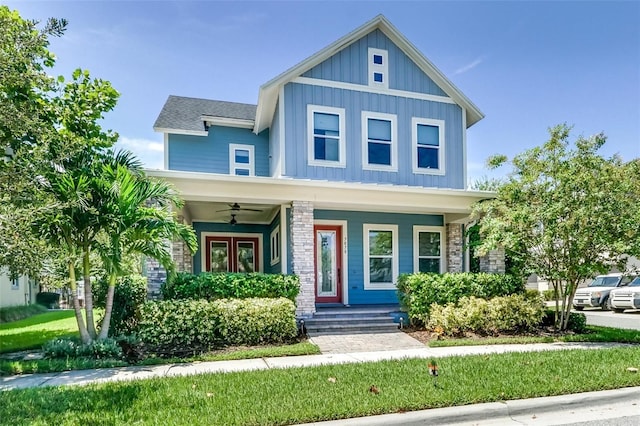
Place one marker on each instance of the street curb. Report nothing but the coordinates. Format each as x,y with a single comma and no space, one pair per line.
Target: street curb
491,410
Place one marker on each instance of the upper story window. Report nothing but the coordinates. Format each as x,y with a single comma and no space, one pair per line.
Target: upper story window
379,141
326,134
241,160
428,146
378,67
380,256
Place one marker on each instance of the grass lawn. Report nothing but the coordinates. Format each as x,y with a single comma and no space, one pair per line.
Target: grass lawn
34,331
594,334
278,397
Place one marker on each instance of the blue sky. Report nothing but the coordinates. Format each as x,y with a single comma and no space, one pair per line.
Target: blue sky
527,65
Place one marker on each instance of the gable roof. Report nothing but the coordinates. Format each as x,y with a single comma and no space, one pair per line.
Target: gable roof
186,114
268,94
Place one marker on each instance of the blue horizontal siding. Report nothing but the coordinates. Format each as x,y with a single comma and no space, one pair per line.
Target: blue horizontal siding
355,252
298,96
200,227
351,65
210,153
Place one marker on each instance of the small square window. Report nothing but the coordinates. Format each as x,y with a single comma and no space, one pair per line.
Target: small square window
242,156
241,160
377,77
377,59
242,172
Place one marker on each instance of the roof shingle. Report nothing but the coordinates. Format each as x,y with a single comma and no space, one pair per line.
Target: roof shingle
182,113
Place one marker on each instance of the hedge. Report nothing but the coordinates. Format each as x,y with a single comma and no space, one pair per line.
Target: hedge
130,293
417,292
48,299
213,286
507,314
173,327
16,313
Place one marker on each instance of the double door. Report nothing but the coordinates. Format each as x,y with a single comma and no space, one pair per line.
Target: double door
232,254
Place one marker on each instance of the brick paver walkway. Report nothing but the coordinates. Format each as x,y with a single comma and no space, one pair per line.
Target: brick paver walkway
365,342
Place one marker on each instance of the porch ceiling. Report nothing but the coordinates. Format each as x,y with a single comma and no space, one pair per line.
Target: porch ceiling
203,211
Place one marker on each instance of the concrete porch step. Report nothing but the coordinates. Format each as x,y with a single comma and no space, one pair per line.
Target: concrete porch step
322,329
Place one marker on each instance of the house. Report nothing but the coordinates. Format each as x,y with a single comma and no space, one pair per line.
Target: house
350,170
17,291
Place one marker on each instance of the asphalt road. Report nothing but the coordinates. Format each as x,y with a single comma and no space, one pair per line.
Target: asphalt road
628,320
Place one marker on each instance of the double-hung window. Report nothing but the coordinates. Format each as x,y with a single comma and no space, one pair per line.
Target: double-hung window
378,68
428,245
275,245
379,141
380,256
428,146
241,160
326,134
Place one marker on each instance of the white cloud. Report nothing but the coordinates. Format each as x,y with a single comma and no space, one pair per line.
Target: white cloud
150,152
469,66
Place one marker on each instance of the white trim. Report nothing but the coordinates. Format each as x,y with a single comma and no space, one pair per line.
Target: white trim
233,165
417,229
166,150
415,121
181,131
366,228
227,122
203,247
464,149
378,68
282,164
365,141
342,150
284,237
345,258
372,89
277,236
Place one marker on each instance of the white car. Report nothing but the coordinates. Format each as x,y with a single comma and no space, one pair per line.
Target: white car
627,297
596,294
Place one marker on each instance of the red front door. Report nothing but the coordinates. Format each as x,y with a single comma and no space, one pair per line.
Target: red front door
232,254
328,263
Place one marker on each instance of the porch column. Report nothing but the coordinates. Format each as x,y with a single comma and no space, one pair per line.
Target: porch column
181,254
454,247
302,252
493,262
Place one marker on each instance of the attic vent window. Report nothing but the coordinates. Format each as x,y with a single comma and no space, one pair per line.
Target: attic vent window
378,68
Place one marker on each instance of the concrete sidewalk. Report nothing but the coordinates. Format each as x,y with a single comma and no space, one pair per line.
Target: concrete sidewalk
83,377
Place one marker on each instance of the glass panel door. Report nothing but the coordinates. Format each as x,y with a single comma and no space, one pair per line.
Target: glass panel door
219,256
328,263
245,256
232,254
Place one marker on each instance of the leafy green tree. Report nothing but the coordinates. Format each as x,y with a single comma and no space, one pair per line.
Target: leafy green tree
43,121
567,213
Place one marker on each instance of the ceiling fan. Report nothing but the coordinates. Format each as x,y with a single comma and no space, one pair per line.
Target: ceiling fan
233,220
235,207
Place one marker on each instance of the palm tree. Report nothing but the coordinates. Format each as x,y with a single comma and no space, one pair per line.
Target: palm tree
140,221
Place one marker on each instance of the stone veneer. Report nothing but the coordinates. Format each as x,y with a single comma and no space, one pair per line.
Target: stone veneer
302,253
493,262
455,250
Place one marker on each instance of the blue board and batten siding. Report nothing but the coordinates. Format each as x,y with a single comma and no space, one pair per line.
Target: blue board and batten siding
355,250
350,65
298,96
210,154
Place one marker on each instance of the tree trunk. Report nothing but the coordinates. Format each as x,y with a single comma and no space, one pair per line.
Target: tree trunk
88,294
84,334
106,321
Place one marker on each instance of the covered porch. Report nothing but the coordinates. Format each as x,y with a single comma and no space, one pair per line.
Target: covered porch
346,242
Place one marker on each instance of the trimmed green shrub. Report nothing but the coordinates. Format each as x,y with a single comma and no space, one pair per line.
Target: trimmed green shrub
17,313
48,299
72,348
577,321
507,314
417,292
173,327
213,286
256,321
130,293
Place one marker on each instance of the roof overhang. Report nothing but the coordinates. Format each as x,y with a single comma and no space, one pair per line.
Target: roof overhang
268,93
323,194
181,131
227,122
